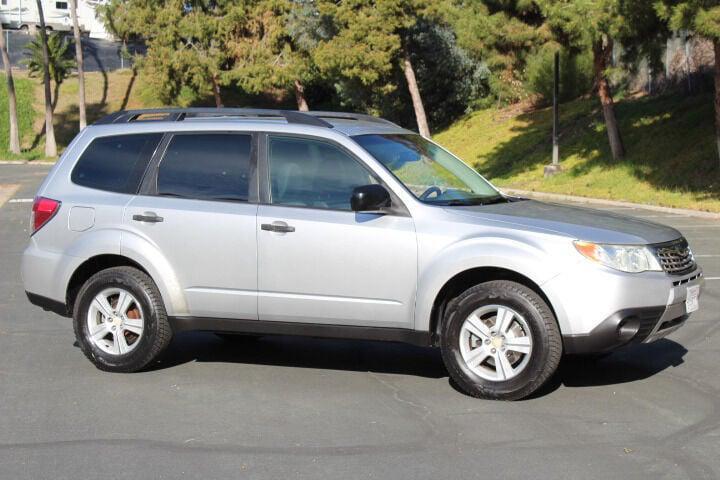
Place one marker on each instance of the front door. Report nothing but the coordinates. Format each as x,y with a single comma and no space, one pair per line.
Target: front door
320,262
198,215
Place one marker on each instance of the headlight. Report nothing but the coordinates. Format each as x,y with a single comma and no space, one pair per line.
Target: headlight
626,258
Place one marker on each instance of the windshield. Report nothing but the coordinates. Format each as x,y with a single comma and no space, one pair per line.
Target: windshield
431,173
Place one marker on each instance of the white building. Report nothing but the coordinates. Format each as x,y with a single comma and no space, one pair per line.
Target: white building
23,15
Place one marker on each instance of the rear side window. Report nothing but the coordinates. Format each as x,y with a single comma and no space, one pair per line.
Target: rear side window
116,164
206,167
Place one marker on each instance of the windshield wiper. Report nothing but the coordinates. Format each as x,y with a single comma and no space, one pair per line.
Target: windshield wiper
492,200
457,203
469,202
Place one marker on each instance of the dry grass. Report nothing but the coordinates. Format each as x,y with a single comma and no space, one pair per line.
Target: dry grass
104,93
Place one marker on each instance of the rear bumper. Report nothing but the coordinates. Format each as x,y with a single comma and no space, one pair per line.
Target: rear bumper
45,274
48,304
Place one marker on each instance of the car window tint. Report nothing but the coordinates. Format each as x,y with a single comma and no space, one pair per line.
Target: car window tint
206,167
310,173
116,163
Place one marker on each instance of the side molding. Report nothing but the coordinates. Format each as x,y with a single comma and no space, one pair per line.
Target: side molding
403,335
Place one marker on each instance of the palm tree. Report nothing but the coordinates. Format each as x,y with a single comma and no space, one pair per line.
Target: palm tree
14,143
60,61
50,145
79,59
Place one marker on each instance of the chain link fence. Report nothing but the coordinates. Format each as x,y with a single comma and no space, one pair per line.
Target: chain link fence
99,55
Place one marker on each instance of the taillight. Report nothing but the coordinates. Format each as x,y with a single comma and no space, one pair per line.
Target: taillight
43,210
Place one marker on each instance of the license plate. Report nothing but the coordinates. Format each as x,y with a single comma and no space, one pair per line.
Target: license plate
692,300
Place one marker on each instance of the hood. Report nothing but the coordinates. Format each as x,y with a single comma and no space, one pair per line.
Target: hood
576,222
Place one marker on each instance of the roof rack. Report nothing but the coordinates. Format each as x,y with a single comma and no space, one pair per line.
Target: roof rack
180,114
348,116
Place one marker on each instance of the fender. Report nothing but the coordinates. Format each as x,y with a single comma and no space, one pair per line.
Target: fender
101,241
500,252
144,252
106,241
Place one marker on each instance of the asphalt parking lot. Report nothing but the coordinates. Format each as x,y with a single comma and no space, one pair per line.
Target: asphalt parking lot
286,407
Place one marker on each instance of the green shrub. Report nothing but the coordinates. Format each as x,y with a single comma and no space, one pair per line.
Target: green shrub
575,74
26,114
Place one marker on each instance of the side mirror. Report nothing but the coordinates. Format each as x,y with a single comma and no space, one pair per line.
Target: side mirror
369,198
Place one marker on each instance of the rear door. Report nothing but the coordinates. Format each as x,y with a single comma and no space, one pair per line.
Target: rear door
197,207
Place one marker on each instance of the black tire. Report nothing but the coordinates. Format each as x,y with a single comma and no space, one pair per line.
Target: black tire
156,334
547,342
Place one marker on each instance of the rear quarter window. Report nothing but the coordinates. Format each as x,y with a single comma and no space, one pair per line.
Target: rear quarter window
116,163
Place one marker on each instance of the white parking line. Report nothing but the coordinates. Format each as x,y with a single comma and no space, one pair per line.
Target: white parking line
20,200
706,255
712,278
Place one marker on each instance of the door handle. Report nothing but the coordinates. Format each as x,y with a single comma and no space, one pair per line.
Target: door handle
276,227
149,217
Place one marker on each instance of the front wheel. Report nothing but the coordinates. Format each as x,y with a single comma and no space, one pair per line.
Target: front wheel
500,340
120,320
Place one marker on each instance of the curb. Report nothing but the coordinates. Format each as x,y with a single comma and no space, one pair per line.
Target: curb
26,162
612,203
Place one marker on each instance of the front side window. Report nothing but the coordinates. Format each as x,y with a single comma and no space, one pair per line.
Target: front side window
311,173
117,163
431,173
206,167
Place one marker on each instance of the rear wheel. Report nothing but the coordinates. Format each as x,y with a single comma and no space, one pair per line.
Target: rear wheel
120,321
500,340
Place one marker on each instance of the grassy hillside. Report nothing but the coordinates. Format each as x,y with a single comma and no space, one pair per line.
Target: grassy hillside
24,91
105,93
671,158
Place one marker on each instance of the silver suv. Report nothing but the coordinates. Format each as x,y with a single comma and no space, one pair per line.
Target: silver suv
262,222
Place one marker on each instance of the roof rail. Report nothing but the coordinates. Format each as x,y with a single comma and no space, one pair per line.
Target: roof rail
179,114
348,116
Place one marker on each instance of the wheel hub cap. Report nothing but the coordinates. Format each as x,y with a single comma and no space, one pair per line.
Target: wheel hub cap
115,321
496,343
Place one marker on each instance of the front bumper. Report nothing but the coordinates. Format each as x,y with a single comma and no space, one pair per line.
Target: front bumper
639,324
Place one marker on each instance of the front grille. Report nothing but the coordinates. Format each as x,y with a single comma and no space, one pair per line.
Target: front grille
675,258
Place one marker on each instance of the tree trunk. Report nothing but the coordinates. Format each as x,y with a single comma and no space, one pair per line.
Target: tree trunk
14,143
716,45
216,91
601,55
50,145
300,97
416,98
79,59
